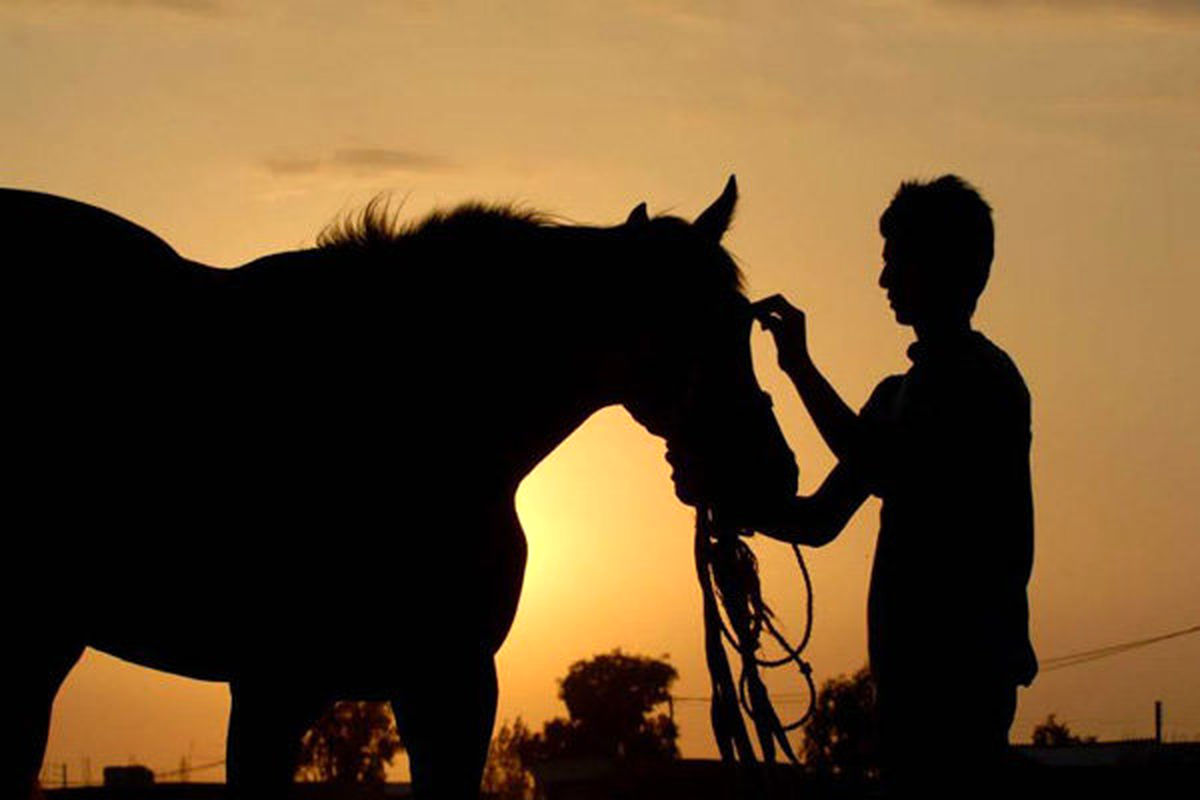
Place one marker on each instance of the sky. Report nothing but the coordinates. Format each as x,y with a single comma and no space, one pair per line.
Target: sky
234,129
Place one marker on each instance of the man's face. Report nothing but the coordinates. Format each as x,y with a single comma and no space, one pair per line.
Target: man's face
904,280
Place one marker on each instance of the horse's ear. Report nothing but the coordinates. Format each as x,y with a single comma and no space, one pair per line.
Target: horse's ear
638,215
714,221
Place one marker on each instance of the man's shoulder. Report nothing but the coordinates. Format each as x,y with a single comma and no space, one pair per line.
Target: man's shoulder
995,365
884,393
996,384
890,385
968,378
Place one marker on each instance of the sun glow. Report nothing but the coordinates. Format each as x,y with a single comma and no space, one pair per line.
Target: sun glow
239,129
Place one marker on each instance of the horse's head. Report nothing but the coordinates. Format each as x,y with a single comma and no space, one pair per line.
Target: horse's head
690,378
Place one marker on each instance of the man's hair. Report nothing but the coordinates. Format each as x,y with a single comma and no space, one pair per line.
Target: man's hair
949,227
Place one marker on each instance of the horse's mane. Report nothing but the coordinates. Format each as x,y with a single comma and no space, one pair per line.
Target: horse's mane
377,224
377,227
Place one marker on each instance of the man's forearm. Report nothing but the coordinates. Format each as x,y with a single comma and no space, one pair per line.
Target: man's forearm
818,518
801,521
836,421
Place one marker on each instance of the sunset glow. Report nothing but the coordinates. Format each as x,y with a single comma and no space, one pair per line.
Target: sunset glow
234,129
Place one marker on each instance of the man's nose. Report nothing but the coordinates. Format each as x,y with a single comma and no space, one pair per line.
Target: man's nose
884,277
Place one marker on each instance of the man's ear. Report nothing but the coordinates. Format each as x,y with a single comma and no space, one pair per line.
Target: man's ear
638,216
715,219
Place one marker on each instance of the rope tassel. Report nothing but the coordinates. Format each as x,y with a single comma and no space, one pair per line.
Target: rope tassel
728,574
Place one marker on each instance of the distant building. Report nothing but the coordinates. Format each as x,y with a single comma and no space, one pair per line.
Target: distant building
1127,754
128,777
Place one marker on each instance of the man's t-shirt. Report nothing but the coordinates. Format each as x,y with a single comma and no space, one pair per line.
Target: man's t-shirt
947,450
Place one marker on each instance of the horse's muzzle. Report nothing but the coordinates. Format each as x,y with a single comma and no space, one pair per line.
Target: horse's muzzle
736,463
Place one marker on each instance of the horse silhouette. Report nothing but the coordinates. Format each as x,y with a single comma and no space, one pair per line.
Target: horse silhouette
298,476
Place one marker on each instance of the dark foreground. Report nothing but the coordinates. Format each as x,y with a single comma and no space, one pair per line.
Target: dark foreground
1104,770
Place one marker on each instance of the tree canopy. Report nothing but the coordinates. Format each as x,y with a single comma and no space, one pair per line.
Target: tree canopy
839,737
1052,733
610,700
505,776
353,742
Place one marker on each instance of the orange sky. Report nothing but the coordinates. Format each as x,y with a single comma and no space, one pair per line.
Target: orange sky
234,129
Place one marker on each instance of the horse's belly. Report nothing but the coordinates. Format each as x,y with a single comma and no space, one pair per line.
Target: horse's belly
223,627
347,611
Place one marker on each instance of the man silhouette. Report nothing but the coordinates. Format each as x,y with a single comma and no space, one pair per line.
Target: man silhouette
946,448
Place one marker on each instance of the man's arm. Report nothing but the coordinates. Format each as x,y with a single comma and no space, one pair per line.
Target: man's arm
817,519
837,423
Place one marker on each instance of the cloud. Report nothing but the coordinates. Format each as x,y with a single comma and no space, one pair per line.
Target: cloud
204,8
357,160
382,158
190,7
186,6
291,166
1172,8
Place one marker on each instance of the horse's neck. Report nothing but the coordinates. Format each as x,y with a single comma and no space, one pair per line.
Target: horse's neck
534,408
547,353
492,374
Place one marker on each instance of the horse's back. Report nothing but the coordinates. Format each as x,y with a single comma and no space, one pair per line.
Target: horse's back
63,242
92,295
208,470
104,396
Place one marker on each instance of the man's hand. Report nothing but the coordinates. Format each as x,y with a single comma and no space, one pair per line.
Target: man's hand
755,516
787,326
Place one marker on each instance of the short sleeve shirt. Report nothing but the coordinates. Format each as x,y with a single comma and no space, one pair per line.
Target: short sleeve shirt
948,453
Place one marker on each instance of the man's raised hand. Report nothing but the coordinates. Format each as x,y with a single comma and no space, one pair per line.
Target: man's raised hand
788,328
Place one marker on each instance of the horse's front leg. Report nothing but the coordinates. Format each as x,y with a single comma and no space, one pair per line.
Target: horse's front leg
266,724
446,707
445,718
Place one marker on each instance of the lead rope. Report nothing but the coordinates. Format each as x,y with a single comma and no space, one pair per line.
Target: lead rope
728,573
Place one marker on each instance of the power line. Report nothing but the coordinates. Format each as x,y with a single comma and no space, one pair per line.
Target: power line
188,769
51,781
1047,664
1082,657
783,699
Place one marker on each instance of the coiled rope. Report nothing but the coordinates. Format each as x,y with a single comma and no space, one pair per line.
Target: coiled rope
728,573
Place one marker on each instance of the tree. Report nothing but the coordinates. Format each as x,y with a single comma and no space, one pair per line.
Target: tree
610,699
505,776
353,742
839,737
1052,733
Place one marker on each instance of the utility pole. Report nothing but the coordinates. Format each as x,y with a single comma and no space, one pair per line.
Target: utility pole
1158,721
